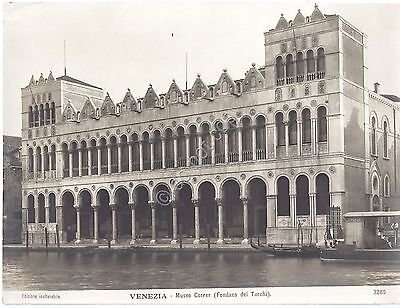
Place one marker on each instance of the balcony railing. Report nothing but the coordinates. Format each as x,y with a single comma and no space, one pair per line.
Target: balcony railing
260,154
247,155
84,170
157,164
94,170
146,165
310,76
289,80
219,158
206,160
181,162
114,168
233,157
300,78
169,163
104,169
280,81
135,166
66,172
320,74
124,167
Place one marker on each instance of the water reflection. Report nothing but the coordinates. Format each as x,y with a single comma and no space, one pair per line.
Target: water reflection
80,270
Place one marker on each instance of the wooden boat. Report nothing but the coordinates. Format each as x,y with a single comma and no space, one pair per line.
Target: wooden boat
367,238
305,251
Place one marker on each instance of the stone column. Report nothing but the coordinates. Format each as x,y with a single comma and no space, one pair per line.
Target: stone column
42,163
140,155
174,223
114,223
47,209
119,158
254,142
220,240
286,139
266,140
78,224
275,140
175,152
271,211
36,206
95,223
59,220
130,167
151,154
34,165
44,116
226,147
200,149
240,143
212,149
79,162
313,135
196,222
312,209
108,159
299,138
163,153
245,240
293,210
98,160
133,221
187,150
70,164
50,160
153,223
89,159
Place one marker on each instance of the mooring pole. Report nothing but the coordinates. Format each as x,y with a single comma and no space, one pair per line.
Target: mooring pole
57,238
46,238
27,239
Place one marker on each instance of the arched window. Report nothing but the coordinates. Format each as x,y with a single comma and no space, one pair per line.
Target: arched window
233,149
46,158
247,140
41,115
280,129
283,198
279,71
219,137
84,156
302,196
310,65
36,115
39,161
373,136
292,127
30,162
205,152
47,112
385,139
306,122
193,153
169,149
146,151
31,209
322,196
103,156
135,152
322,124
300,66
65,155
320,63
95,159
30,117
157,150
181,147
53,113
386,186
114,154
261,147
124,154
289,69
75,159
53,157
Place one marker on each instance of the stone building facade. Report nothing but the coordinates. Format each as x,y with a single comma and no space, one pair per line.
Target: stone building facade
298,141
12,181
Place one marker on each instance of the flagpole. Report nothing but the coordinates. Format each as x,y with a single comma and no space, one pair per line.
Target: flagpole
186,70
65,61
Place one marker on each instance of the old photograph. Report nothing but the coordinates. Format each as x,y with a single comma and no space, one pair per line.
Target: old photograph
181,152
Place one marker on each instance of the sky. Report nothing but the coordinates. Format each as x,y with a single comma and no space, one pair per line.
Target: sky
120,45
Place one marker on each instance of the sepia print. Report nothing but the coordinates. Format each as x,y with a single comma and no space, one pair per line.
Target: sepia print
201,152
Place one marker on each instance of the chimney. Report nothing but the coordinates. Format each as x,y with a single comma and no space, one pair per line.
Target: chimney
376,87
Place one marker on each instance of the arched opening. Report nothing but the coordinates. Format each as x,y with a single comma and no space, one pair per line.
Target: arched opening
75,159
163,204
283,198
233,209
279,71
185,213
289,69
322,196
261,147
103,156
52,208
30,117
95,162
205,152
146,151
157,150
280,129
41,115
292,127
310,65
84,155
257,207
124,219
376,204
53,113
124,154
46,159
385,139
233,148
302,196
31,209
39,161
86,215
104,214
143,212
114,154
386,186
135,152
247,139
306,122
300,66
169,149
47,112
193,153
181,147
208,210
36,115
219,136
373,136
322,124
65,155
53,157
69,217
41,209
320,63
30,162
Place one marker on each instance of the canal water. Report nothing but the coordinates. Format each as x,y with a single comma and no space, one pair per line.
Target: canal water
85,270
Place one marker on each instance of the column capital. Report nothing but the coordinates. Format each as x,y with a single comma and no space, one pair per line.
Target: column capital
152,204
219,201
95,206
76,207
195,202
244,200
132,205
113,206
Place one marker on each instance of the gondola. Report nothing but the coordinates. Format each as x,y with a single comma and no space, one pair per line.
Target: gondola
305,251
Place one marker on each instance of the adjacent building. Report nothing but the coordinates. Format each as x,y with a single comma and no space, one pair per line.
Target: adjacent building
299,141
